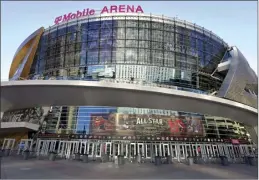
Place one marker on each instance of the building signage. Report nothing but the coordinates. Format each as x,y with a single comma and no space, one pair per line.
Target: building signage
105,10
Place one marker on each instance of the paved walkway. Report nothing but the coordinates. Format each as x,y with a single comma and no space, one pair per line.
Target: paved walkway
16,168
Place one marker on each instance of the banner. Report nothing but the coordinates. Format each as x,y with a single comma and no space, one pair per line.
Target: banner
183,125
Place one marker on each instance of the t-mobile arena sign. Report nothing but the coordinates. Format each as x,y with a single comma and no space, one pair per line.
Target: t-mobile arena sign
105,10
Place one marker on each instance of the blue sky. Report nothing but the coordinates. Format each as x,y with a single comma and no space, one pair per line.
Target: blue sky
234,21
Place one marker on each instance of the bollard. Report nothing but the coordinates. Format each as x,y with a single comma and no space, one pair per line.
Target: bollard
224,161
7,152
251,160
52,156
77,156
190,161
85,158
26,155
157,160
169,159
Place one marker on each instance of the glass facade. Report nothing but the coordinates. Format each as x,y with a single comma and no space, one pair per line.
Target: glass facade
141,50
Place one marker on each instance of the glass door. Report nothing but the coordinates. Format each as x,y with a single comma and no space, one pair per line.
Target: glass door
215,150
141,149
181,150
157,149
98,149
90,149
148,150
108,148
208,151
132,149
174,151
222,151
166,150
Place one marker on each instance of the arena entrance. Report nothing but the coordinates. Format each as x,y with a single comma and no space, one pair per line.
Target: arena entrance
179,152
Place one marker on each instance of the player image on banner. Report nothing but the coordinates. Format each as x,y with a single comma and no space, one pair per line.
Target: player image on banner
176,125
186,124
125,124
102,124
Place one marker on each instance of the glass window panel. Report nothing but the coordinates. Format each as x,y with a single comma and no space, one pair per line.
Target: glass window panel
132,33
169,59
120,43
157,57
94,25
93,45
157,35
93,35
144,24
105,56
131,55
92,57
144,56
144,44
121,33
106,43
144,34
131,43
62,31
132,23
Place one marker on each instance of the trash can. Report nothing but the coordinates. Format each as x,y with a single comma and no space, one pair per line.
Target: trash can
77,156
7,152
52,156
251,160
190,160
224,161
26,155
157,160
85,158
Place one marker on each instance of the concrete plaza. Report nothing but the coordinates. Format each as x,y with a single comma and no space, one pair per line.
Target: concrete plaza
16,168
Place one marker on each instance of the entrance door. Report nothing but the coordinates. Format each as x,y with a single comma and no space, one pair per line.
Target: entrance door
98,149
90,149
25,144
181,150
237,152
157,149
148,151
188,150
208,150
108,148
174,151
141,149
62,148
8,144
215,150
133,150
222,150
166,150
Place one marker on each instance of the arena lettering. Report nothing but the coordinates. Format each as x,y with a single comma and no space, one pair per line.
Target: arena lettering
149,121
105,10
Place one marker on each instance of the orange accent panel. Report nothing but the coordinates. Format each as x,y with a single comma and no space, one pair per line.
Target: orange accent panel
19,56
